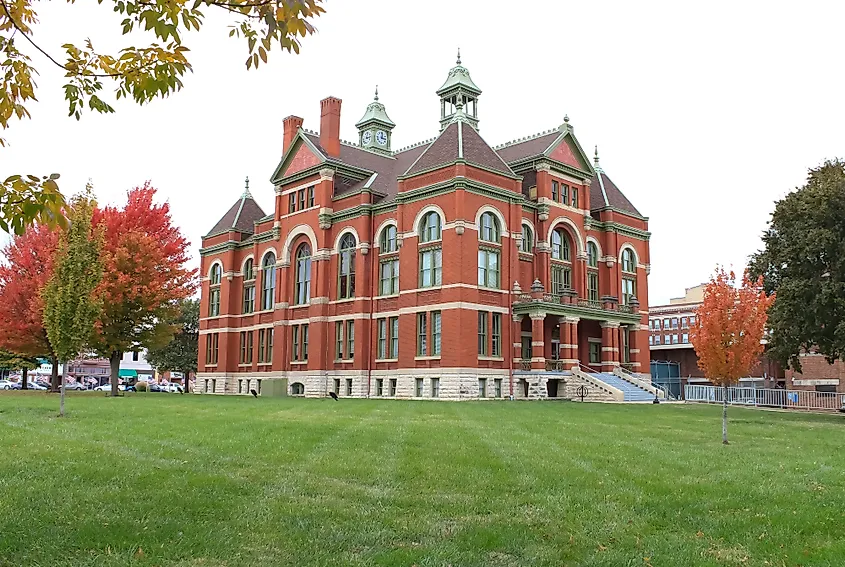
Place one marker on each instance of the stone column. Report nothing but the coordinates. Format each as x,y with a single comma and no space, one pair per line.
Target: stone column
638,364
565,340
609,353
538,360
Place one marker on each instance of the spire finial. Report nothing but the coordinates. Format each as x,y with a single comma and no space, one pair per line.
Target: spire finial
376,97
459,56
247,194
597,167
566,118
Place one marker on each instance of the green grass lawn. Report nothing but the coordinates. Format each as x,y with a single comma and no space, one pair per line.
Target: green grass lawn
163,479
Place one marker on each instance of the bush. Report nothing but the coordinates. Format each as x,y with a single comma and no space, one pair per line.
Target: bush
141,386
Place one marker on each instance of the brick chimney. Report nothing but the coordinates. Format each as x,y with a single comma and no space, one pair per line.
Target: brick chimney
330,125
292,125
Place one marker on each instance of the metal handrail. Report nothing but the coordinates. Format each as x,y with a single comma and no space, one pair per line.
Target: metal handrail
666,394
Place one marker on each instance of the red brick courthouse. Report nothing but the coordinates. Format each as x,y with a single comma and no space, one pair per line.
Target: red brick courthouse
446,269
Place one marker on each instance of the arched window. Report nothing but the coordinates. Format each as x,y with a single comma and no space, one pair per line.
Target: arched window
489,229
215,277
629,278
430,228
388,240
346,267
629,264
297,389
268,281
592,272
560,245
302,291
249,286
592,255
561,267
527,244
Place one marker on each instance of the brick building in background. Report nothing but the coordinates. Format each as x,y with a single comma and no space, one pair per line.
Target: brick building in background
446,269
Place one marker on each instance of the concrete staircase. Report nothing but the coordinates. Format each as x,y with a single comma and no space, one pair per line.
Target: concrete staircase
631,392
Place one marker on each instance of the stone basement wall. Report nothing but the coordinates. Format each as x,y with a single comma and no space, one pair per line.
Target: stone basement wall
594,393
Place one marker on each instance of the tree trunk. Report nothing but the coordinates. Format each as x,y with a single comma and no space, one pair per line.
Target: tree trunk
725,415
62,398
23,379
185,382
114,363
54,375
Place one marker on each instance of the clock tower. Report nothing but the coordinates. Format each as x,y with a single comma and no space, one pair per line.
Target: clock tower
375,127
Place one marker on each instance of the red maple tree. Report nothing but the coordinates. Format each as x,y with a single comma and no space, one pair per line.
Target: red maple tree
729,328
144,275
30,258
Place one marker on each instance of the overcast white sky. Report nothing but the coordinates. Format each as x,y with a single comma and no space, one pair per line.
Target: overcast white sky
704,115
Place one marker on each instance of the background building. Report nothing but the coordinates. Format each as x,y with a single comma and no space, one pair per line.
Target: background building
446,269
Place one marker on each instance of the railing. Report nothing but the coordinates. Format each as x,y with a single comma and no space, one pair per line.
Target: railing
525,364
554,366
765,397
563,299
644,384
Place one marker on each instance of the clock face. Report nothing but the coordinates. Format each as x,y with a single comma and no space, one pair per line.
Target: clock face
381,137
367,137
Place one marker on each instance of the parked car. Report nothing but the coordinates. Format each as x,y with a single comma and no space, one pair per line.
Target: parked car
43,383
75,386
16,386
120,387
6,385
172,388
35,386
153,387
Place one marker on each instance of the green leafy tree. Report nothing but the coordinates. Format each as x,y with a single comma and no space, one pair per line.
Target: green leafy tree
180,354
141,73
14,361
70,305
802,261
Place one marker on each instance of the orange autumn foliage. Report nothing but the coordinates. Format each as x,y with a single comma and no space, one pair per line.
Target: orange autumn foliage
729,325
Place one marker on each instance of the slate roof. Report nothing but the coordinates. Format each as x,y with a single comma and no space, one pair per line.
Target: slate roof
240,217
531,147
605,193
459,140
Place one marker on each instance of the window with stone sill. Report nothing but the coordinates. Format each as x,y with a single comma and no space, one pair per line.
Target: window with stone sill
435,333
593,286
389,276
561,277
394,337
422,335
215,277
595,352
302,199
430,227
527,244
482,333
249,287
629,291
302,287
346,267
387,242
629,263
268,281
311,196
564,193
554,191
431,267
382,339
592,255
561,249
575,197
488,267
291,203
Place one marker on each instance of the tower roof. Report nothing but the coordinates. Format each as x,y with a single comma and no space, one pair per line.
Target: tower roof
459,78
375,113
241,216
459,141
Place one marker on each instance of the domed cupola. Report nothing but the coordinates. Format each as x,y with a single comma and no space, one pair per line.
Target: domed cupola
375,127
458,85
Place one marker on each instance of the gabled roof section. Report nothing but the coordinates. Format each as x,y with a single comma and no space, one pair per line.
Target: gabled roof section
241,217
301,154
605,193
535,145
460,141
559,144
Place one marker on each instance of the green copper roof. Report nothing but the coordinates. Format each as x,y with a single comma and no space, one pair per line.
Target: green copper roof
459,77
375,113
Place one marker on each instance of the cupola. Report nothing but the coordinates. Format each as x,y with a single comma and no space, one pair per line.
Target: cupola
458,88
375,127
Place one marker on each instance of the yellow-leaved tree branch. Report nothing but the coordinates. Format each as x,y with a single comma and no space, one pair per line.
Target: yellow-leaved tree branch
140,73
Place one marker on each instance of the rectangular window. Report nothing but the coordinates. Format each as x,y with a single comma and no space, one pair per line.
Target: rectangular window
379,387
482,387
431,267
240,386
482,333
311,196
496,336
301,199
651,339
497,383
564,194
134,356
258,385
211,343
394,337
422,335
349,386
435,387
269,354
488,268
338,340
554,191
261,354
685,338
392,391
592,286
629,291
249,298
382,339
337,386
418,388
526,347
657,339
295,346
692,321
242,357
292,203
674,339
575,197
561,278
305,342
350,339
684,322
435,333
214,302
674,322
595,352
389,279
666,323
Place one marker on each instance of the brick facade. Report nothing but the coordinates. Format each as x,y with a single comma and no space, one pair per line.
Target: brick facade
511,263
